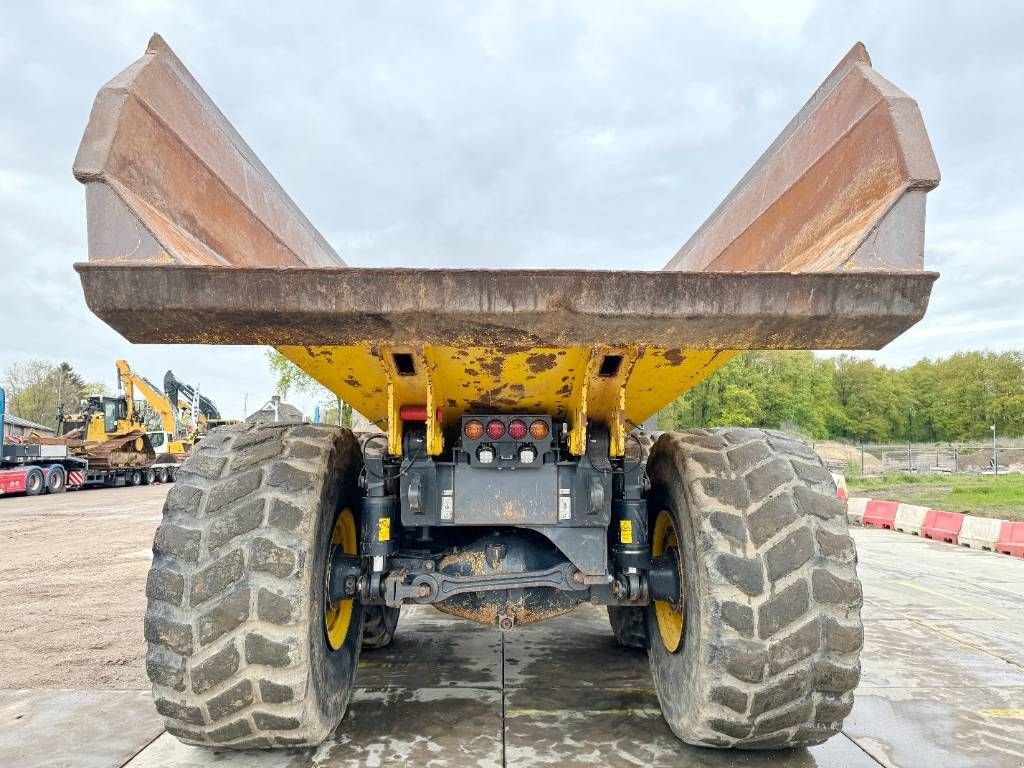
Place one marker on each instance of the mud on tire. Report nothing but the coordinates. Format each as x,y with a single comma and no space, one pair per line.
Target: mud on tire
238,654
772,631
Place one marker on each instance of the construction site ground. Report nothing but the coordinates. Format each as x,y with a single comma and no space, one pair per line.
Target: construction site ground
942,684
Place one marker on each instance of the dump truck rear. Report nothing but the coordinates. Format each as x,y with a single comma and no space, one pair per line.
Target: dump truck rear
510,482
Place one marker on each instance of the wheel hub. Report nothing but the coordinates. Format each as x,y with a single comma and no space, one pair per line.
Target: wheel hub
671,616
338,616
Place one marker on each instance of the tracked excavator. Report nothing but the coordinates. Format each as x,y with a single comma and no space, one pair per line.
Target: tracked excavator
172,429
511,483
189,400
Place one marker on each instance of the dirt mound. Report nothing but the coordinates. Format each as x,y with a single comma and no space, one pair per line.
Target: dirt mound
1011,458
836,454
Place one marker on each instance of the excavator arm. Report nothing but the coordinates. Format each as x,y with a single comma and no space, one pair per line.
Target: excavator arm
131,381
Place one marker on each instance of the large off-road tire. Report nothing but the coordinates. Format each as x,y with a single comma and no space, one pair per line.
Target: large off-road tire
768,637
379,625
629,625
239,652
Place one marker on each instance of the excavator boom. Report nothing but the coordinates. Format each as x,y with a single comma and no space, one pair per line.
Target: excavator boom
130,382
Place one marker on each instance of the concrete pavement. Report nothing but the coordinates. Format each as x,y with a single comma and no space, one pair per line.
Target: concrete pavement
942,685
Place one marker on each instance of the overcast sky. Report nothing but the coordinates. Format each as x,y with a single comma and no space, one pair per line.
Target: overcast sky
506,135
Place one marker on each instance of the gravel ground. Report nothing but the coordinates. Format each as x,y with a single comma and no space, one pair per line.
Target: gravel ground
72,587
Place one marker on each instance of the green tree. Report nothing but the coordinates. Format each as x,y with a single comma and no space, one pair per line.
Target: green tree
37,388
289,377
847,397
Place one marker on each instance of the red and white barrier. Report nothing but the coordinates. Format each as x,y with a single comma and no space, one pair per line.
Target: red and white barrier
909,518
1011,539
983,533
855,509
841,492
880,514
980,532
942,526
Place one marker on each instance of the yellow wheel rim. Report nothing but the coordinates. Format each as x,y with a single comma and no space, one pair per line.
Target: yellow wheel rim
338,617
671,617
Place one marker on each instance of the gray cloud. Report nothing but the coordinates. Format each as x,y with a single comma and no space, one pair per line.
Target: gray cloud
507,134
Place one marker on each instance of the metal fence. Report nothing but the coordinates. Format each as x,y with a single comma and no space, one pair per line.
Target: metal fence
973,457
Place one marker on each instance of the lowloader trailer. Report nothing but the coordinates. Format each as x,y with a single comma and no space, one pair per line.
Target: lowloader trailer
510,482
35,468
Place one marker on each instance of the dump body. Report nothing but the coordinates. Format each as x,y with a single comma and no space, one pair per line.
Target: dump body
820,246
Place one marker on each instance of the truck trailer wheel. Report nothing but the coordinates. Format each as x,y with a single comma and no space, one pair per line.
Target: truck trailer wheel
379,625
762,650
244,648
35,482
56,479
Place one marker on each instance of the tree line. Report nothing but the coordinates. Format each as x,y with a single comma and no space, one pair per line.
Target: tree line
36,388
945,400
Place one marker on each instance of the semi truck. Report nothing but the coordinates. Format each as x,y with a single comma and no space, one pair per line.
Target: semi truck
34,468
510,482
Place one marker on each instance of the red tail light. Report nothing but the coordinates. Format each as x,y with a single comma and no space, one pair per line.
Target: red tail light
495,429
517,429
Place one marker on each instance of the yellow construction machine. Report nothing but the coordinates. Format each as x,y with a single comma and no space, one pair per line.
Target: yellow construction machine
109,435
174,424
511,483
170,441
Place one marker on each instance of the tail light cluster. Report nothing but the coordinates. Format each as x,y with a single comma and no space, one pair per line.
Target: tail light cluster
506,440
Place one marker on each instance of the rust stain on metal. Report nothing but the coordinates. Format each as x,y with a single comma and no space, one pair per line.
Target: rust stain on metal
487,607
492,366
192,240
675,356
828,184
541,362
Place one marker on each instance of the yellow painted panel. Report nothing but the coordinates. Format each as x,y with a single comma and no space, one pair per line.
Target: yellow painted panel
563,383
662,375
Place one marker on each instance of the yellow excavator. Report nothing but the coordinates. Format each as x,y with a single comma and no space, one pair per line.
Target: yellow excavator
172,427
170,439
112,438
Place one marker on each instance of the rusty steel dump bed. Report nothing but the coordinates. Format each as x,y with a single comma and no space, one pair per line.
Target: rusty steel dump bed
819,246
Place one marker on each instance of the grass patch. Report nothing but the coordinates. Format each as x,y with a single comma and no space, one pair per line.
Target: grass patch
982,495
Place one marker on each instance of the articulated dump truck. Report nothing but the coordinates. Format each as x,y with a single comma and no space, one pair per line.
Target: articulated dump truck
509,482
